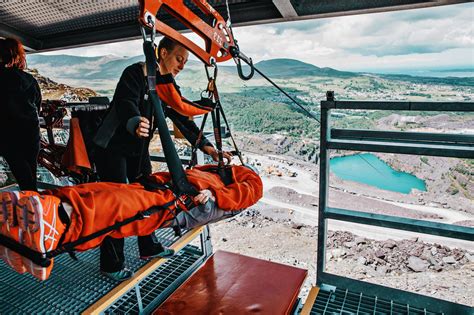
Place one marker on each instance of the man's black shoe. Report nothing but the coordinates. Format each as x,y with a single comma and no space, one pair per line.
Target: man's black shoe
157,250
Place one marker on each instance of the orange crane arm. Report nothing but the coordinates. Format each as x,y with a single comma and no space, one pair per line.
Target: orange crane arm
217,36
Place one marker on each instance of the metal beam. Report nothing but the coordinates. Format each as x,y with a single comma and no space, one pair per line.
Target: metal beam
406,106
455,151
286,9
401,136
30,43
401,223
332,8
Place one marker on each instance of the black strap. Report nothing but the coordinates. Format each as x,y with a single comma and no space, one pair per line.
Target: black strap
148,112
36,257
151,185
196,145
63,216
175,167
236,151
69,247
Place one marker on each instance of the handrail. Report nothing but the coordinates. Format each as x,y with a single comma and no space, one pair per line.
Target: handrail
431,144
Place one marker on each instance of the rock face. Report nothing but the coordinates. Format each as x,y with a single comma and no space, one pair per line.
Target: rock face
259,233
410,255
58,91
304,149
417,265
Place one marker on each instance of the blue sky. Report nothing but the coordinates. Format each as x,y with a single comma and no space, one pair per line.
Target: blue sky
439,37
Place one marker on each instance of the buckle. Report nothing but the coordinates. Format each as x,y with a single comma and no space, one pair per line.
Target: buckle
185,202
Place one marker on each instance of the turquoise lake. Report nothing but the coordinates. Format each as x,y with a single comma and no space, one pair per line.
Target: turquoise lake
368,169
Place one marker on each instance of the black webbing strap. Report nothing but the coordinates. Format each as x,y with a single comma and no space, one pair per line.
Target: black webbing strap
236,151
44,260
148,112
34,256
69,247
180,182
151,185
199,139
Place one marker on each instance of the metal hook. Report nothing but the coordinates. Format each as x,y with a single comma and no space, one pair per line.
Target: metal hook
241,74
238,56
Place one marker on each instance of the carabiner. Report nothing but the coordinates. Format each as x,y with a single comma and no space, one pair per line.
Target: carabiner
238,55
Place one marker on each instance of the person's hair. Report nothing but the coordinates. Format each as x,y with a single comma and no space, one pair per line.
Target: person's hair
12,54
166,43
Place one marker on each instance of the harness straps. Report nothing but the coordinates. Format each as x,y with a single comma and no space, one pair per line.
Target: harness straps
69,247
148,112
180,183
44,259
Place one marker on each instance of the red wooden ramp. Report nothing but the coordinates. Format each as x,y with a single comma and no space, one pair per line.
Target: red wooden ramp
235,284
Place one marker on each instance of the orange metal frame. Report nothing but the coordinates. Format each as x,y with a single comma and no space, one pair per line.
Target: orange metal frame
216,34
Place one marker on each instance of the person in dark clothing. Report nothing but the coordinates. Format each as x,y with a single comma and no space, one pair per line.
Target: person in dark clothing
20,100
126,155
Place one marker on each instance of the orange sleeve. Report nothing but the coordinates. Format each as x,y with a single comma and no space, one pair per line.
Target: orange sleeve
168,93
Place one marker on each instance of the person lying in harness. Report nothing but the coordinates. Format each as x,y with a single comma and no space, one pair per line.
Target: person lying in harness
44,222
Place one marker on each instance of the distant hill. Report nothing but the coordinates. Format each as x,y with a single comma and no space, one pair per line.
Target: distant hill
458,81
102,73
60,60
76,67
295,68
110,67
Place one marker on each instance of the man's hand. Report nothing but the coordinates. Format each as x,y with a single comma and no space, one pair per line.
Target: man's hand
143,128
215,155
204,196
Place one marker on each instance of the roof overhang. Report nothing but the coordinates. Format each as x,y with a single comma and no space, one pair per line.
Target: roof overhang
44,25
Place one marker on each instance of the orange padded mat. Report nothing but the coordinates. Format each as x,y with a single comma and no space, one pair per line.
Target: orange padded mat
235,284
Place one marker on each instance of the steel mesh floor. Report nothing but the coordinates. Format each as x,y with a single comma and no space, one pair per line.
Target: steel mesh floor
164,280
75,285
345,302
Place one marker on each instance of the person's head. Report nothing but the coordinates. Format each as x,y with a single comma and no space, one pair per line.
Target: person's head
171,56
12,54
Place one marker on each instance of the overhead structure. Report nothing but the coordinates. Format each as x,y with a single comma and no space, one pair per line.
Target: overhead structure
44,25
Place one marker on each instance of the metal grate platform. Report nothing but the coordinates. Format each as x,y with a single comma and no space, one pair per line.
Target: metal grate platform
75,285
345,302
153,290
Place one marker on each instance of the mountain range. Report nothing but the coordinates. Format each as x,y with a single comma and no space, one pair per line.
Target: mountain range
101,73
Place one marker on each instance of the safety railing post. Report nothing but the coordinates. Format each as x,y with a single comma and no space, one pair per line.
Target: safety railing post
323,186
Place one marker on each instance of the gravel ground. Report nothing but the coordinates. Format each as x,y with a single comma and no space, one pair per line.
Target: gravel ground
435,270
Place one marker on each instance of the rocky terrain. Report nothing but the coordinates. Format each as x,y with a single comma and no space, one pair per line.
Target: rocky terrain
59,91
410,264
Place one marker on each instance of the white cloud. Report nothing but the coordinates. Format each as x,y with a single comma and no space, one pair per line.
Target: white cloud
440,36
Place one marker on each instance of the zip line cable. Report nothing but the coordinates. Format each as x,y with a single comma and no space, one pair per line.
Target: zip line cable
364,159
286,94
263,75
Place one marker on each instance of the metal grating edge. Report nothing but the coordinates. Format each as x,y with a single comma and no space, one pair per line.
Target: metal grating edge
155,288
73,285
343,301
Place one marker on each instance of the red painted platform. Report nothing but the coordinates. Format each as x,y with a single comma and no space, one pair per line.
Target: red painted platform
235,284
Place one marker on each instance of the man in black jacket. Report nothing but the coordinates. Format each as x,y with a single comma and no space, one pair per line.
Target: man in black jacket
126,155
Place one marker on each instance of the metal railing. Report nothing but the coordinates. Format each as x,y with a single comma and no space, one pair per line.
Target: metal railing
430,144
